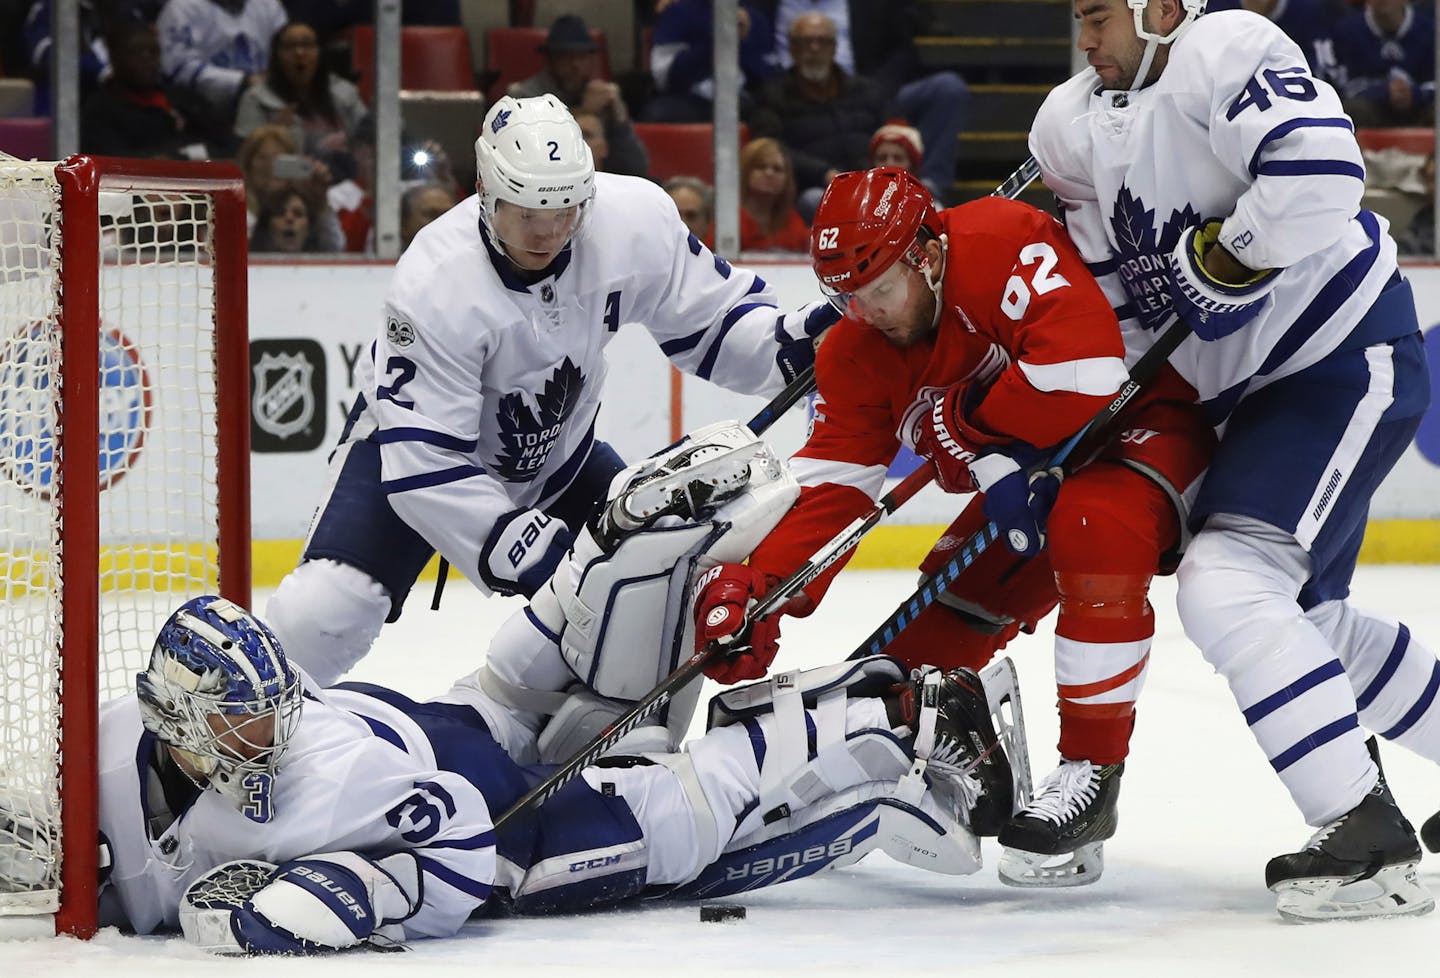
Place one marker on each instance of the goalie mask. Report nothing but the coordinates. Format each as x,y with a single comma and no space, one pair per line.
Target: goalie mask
221,695
535,176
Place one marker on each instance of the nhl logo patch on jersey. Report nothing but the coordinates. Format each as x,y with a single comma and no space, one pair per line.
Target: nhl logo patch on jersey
547,293
398,332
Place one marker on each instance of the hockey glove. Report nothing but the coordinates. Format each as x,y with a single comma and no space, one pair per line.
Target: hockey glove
797,354
949,441
326,902
722,596
1211,308
523,551
1016,500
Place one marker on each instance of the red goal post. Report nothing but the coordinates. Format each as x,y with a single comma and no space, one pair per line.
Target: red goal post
123,328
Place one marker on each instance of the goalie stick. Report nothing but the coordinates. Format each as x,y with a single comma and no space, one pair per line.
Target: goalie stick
1084,441
841,544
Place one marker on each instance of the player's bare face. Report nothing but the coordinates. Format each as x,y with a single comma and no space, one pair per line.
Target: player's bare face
532,236
1108,41
898,304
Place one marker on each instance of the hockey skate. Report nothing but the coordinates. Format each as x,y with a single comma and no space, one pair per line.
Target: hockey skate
1360,865
1057,840
974,747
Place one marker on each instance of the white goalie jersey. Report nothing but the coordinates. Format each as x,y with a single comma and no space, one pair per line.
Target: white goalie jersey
342,785
482,389
1236,128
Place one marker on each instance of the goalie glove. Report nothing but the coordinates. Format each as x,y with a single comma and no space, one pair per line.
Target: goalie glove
322,903
1212,308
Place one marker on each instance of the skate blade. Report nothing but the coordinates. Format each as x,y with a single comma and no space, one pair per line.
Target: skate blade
1037,869
1002,693
1394,891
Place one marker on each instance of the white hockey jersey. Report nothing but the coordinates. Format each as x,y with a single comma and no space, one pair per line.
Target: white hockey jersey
1236,128
401,801
483,390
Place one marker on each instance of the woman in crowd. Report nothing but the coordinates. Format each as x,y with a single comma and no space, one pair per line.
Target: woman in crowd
768,218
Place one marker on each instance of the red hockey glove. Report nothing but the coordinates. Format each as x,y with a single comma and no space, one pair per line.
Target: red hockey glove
722,596
949,442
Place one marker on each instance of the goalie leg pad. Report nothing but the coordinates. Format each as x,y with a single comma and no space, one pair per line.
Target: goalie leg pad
327,615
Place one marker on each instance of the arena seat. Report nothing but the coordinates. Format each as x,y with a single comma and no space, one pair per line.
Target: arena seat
514,52
682,149
28,139
435,59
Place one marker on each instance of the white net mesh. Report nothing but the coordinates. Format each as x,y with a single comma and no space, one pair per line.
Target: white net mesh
157,458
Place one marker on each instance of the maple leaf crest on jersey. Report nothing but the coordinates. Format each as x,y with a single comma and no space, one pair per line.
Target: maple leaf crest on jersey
529,438
1143,267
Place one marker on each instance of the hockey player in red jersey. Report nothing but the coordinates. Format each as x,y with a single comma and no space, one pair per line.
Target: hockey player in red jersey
977,337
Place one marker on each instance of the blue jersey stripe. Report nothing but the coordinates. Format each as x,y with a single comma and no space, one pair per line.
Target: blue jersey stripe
439,439
1099,268
1286,128
1387,670
672,347
475,888
707,363
427,480
1328,300
1316,740
1311,168
1294,691
482,841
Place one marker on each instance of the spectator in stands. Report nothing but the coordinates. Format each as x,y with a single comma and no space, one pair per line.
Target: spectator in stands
330,17
1418,238
217,48
570,73
1385,64
94,58
286,223
897,144
695,200
321,109
824,115
131,114
420,205
592,127
1309,23
877,41
768,219
265,159
682,58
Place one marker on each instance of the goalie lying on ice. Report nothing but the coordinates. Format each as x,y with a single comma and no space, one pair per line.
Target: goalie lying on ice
263,815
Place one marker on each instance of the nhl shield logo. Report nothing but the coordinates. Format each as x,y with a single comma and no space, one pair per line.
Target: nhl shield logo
283,402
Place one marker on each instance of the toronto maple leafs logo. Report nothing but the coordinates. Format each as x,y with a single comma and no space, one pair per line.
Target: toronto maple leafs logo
528,436
501,118
1144,267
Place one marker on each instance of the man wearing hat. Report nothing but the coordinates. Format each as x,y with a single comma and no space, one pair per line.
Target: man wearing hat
571,63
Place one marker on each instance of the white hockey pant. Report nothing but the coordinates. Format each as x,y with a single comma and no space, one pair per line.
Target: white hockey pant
1239,584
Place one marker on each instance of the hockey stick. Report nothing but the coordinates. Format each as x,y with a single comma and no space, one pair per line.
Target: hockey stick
688,671
1084,441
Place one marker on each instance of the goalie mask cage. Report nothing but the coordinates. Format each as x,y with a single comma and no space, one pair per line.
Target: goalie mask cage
123,328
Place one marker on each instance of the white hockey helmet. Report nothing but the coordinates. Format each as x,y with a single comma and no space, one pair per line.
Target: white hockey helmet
531,153
1193,9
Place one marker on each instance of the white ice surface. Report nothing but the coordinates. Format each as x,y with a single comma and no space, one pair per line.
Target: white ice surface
1182,893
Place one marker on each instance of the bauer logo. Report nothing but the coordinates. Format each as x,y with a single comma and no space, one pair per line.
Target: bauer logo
287,395
27,408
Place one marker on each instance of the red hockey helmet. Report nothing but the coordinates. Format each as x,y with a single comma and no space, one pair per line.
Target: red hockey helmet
867,221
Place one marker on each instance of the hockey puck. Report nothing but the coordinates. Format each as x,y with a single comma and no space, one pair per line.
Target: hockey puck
716,913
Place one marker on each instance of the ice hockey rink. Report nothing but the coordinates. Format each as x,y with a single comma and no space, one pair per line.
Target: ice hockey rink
1182,892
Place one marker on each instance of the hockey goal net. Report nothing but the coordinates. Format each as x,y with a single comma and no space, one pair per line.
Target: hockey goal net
122,329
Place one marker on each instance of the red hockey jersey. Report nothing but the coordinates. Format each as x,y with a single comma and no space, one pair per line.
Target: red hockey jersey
1022,317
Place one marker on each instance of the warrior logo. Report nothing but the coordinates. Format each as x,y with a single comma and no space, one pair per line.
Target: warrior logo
284,397
27,408
529,436
1144,264
501,118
